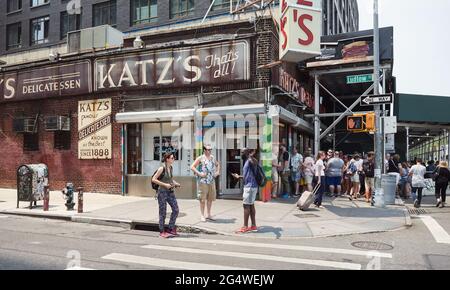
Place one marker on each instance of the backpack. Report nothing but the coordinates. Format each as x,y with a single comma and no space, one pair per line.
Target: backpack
154,185
352,169
260,177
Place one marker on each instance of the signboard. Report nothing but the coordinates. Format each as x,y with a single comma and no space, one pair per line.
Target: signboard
208,64
373,100
358,79
390,125
51,81
389,143
300,29
94,129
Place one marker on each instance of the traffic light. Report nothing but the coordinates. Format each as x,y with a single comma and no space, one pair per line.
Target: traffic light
361,123
355,123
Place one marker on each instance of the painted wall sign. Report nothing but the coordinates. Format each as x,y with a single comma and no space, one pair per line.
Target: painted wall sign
94,129
300,29
52,81
208,64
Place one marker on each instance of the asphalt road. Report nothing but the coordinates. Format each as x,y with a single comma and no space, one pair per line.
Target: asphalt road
33,243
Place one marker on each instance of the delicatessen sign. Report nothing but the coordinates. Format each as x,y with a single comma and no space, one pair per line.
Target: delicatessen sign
94,129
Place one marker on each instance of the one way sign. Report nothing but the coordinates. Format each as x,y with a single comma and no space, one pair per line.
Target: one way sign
373,100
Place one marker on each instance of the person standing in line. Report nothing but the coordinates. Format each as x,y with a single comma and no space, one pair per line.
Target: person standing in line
296,169
276,167
369,172
354,170
347,184
394,168
285,172
418,181
164,178
209,170
308,170
442,178
334,171
250,189
320,177
431,167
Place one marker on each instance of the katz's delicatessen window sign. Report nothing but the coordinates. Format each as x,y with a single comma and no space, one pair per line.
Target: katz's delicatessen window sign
94,129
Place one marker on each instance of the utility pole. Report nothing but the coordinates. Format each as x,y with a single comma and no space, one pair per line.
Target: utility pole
379,158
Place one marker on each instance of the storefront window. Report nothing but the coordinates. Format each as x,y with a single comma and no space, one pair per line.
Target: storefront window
134,152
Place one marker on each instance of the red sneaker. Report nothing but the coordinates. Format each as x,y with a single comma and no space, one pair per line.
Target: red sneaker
165,235
173,232
254,229
243,230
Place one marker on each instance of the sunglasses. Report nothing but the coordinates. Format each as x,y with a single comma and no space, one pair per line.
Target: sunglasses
207,149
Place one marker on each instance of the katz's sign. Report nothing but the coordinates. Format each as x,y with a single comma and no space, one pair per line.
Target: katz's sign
300,29
53,81
208,64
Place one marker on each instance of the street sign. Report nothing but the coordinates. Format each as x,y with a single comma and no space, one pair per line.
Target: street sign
389,143
390,125
358,79
373,100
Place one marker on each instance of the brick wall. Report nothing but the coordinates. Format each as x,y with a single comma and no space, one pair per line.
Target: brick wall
64,165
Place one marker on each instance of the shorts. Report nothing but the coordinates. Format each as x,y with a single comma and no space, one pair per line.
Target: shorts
207,191
249,195
296,176
309,179
370,183
334,180
355,178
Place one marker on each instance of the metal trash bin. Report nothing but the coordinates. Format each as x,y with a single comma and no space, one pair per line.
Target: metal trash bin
389,185
31,182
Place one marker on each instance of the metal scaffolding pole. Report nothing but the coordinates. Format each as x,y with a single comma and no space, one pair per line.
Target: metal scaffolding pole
316,115
407,144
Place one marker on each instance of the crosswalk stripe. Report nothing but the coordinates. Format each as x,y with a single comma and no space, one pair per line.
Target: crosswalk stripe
163,263
321,263
438,232
79,268
288,247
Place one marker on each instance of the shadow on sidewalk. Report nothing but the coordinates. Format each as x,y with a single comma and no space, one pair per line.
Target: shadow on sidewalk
268,229
223,221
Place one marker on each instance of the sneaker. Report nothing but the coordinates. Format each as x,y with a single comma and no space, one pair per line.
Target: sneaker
243,230
203,219
210,218
438,202
254,229
173,232
416,203
165,235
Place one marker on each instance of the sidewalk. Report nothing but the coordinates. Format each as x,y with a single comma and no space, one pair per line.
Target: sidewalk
277,219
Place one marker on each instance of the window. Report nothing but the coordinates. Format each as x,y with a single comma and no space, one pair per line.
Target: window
62,140
221,4
104,13
144,11
69,22
13,5
14,36
179,8
39,30
34,3
30,142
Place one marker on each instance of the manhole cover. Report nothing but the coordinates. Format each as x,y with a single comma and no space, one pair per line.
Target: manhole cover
372,246
416,211
306,216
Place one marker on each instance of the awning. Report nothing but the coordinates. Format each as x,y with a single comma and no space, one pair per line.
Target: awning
290,118
186,114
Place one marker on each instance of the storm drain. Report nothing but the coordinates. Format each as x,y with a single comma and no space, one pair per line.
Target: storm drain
416,211
374,246
306,216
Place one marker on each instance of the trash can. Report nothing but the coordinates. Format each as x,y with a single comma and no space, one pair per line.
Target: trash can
31,182
389,185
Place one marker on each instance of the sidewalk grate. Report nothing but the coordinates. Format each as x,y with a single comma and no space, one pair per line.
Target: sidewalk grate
306,216
376,246
416,211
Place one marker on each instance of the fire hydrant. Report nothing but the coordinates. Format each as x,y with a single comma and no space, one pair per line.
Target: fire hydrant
68,196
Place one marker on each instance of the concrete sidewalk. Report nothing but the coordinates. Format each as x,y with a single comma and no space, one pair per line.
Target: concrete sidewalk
277,219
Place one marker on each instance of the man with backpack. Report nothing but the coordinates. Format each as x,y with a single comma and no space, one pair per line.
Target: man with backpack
253,176
369,173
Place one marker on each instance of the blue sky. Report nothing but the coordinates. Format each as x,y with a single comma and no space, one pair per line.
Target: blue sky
421,40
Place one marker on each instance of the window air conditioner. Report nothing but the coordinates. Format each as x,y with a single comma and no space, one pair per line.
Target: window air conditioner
24,125
57,123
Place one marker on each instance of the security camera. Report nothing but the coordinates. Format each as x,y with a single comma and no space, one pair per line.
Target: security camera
53,56
138,43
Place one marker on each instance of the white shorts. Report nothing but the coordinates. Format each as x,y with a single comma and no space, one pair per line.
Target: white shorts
308,179
355,178
249,195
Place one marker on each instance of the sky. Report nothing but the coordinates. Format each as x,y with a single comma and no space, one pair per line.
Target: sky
421,42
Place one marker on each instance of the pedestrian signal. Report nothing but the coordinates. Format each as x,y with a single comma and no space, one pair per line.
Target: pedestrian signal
355,123
370,122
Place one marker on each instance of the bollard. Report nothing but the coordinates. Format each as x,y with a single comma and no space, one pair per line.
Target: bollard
46,197
80,200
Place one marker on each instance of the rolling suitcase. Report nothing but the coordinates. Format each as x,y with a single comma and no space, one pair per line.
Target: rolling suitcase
307,198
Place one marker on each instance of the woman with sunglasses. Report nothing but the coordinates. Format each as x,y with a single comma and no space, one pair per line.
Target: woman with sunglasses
164,178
